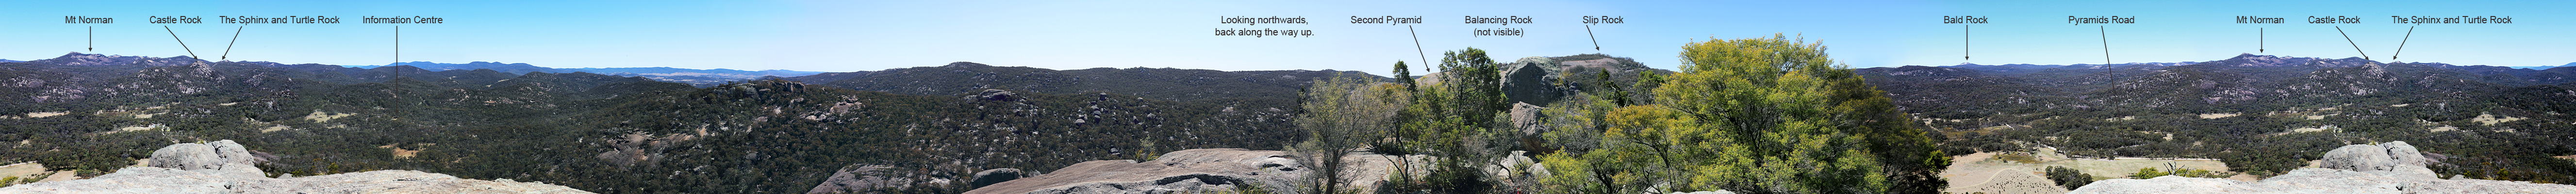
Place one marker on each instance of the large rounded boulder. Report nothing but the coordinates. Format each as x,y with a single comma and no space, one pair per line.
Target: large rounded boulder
2361,158
187,156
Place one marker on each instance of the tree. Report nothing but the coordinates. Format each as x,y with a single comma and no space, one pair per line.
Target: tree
1476,84
2069,177
1342,112
1763,115
1647,81
1455,120
1633,155
1404,76
1618,96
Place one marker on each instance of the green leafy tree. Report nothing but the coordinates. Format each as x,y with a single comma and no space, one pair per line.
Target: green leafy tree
1454,118
1647,81
1618,96
1475,81
1343,112
1763,115
2069,177
1404,76
1759,109
1633,155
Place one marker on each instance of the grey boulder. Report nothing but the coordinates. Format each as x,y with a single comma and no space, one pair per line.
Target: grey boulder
218,157
187,156
2359,158
1195,170
1532,80
2394,158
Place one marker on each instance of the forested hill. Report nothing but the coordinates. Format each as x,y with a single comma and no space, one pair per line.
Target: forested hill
2261,113
617,134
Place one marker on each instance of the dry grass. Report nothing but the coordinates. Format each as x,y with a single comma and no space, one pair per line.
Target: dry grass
2018,158
1974,173
2490,119
400,153
44,114
34,171
2008,173
319,116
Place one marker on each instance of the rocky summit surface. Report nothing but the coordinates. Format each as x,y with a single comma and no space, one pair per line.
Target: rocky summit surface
868,178
1195,170
2392,167
225,167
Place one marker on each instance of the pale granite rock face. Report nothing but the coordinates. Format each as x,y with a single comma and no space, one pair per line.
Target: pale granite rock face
864,178
226,167
2392,167
1199,170
2320,181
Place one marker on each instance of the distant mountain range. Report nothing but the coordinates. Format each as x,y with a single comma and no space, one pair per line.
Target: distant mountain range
80,59
2248,108
694,77
697,77
2546,67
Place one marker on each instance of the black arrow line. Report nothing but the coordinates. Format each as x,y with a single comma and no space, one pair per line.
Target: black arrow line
1596,39
183,44
2401,43
1417,46
2259,40
397,55
93,39
2106,47
2356,47
1963,42
228,47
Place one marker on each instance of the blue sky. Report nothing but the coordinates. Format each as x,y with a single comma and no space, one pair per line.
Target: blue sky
874,35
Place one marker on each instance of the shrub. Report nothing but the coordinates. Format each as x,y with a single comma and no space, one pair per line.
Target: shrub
2069,177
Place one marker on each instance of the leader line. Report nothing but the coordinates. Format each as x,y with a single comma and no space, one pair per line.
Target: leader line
1587,32
2401,43
2356,47
1417,47
183,44
228,47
